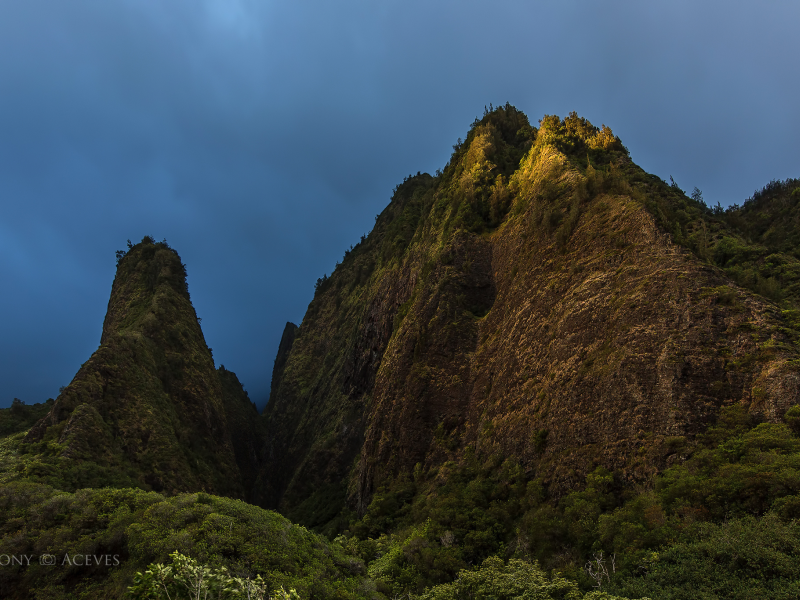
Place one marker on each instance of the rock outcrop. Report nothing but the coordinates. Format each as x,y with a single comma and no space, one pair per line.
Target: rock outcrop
532,301
148,409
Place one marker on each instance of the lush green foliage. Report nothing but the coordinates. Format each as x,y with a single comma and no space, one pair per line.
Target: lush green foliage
140,528
20,416
747,558
755,244
473,191
185,579
515,580
657,537
771,216
576,136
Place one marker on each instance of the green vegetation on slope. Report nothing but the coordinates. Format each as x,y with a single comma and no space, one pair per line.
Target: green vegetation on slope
721,524
516,580
755,244
185,579
744,558
20,416
136,528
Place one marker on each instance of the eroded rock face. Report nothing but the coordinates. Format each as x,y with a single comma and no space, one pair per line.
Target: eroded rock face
148,408
567,331
596,355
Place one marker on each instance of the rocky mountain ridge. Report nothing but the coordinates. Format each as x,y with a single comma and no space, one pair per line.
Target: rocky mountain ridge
539,355
543,299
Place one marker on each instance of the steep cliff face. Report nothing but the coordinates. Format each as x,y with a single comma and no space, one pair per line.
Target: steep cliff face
148,409
599,354
287,340
537,300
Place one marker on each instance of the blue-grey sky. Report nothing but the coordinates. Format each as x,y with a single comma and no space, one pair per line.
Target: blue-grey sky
261,138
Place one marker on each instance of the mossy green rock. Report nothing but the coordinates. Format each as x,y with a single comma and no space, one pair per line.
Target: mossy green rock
148,409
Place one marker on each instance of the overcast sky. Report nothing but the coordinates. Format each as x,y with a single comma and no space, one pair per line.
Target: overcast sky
261,138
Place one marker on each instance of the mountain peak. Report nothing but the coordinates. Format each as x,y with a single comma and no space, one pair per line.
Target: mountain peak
149,274
148,408
542,300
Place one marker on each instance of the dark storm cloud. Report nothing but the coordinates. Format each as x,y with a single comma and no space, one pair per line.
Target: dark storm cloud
261,138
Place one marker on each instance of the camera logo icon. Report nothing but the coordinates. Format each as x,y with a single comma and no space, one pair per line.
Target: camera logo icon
48,560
